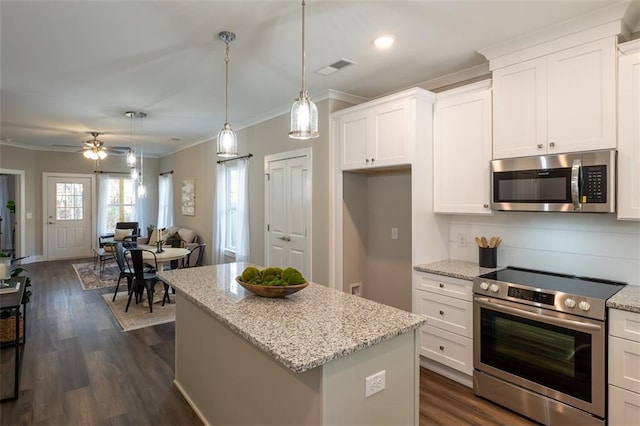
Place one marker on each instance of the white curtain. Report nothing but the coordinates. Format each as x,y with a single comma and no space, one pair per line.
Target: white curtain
243,244
103,202
165,201
220,213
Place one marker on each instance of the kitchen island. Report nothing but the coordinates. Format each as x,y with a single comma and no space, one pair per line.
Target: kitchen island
303,359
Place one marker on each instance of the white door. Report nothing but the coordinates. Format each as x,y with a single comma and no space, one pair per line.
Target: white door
288,218
68,217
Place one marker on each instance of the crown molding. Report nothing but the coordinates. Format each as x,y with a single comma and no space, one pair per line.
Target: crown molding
597,24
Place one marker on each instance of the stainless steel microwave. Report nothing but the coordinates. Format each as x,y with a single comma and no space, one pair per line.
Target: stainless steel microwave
574,182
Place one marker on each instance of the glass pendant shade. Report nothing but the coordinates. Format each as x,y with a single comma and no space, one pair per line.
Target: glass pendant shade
131,158
134,173
227,142
304,118
142,190
102,155
88,154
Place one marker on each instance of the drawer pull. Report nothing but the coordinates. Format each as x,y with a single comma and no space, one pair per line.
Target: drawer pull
441,285
441,312
442,348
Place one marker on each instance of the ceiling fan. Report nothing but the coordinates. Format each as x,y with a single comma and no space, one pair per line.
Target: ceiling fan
94,149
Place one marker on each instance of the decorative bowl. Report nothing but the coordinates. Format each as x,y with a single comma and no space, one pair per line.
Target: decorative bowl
272,290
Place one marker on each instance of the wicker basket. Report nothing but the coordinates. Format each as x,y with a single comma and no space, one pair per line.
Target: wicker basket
8,330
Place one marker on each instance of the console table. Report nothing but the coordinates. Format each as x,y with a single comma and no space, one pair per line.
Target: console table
13,303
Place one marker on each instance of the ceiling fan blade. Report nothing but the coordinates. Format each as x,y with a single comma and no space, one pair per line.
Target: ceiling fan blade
65,146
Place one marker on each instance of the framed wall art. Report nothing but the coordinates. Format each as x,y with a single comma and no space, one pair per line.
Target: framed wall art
189,197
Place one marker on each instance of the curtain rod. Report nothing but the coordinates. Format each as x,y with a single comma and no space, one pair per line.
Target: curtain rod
110,173
235,158
167,173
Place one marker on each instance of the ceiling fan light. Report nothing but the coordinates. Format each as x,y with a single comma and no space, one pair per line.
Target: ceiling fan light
87,154
102,154
227,142
304,118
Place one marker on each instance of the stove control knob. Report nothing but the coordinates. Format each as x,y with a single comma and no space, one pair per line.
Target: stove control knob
584,305
484,285
494,288
570,303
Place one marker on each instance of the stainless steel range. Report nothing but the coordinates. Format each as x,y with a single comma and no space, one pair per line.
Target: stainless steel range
540,342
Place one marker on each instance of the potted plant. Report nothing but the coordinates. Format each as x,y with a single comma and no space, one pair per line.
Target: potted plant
7,321
150,229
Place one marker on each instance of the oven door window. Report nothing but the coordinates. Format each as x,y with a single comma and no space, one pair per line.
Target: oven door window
551,356
533,186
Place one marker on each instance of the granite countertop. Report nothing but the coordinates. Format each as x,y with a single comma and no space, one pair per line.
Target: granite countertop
462,269
627,299
302,331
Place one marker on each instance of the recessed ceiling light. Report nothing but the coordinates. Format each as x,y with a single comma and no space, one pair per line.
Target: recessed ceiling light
384,42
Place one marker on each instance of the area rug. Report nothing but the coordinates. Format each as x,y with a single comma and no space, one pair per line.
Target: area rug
90,278
139,315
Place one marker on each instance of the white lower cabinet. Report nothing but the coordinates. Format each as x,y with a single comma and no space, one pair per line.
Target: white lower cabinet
447,338
624,368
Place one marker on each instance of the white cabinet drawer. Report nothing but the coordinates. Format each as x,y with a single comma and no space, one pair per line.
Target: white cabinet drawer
624,324
447,286
624,363
446,313
447,348
624,407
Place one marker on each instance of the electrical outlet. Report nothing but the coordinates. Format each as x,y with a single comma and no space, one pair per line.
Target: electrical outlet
462,240
394,233
375,383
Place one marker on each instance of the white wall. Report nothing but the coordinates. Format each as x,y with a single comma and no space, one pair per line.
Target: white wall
592,245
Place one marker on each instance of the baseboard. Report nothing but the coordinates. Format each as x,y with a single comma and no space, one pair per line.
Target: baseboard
190,402
448,372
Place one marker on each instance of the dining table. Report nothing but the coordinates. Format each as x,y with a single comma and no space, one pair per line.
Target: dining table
166,256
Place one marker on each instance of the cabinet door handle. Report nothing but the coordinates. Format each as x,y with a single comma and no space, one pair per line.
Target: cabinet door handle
441,312
441,348
539,146
373,160
486,206
366,160
441,285
552,144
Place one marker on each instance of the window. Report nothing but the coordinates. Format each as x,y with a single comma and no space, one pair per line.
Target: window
69,197
231,203
121,201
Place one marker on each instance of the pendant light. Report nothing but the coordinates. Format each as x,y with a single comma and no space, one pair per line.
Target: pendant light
227,139
133,115
304,114
131,158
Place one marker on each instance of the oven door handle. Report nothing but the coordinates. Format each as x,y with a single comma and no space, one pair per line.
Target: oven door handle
561,322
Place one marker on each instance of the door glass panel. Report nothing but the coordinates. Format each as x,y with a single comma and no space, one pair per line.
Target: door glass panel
69,201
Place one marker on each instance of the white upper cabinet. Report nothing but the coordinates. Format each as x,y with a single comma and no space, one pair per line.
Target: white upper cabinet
377,133
561,102
462,150
629,131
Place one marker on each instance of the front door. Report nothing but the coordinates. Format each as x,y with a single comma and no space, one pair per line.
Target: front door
68,227
288,212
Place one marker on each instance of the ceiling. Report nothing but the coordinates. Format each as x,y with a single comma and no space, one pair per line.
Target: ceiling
71,67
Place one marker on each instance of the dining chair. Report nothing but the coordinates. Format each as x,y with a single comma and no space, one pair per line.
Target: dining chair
125,271
142,280
194,258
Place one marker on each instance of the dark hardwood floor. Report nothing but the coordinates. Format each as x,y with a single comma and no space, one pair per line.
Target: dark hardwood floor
79,369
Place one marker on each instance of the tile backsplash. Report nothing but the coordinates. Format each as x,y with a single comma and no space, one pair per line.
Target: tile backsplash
591,245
